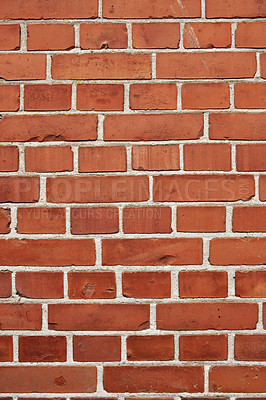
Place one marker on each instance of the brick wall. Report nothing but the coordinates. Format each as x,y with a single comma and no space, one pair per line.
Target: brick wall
132,192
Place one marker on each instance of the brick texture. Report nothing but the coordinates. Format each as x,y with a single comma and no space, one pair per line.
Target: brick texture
132,191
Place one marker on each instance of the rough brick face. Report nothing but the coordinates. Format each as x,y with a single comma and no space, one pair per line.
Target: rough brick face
132,199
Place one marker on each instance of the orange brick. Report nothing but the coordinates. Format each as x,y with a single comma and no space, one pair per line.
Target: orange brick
235,9
201,219
9,97
203,187
16,67
205,95
9,37
50,37
40,285
153,96
155,158
251,34
262,187
207,157
19,189
193,284
48,159
203,347
249,219
250,95
9,158
154,35
97,159
263,65
29,9
103,36
211,65
149,348
145,285
147,220
237,126
251,157
47,97
250,283
95,220
153,127
207,35
41,220
143,9
91,285
101,66
100,97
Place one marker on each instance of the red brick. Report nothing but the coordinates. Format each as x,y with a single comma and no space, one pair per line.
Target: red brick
61,252
207,35
41,220
156,35
205,95
21,317
5,220
160,96
238,251
48,159
160,157
144,285
250,347
48,128
29,9
40,285
91,285
202,284
47,97
203,347
9,97
5,284
249,219
207,157
98,317
235,9
250,95
50,37
250,283
240,126
149,348
103,36
9,158
151,9
6,348
153,379
9,37
201,219
17,67
251,34
206,65
102,159
42,349
203,187
153,127
101,66
19,189
251,157
94,220
147,220
96,348
262,187
203,316
238,378
152,251
106,189
50,379
100,97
